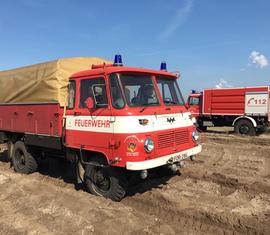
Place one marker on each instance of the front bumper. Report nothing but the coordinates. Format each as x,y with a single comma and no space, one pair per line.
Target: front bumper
148,164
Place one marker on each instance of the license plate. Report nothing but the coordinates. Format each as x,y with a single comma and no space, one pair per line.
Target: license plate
178,158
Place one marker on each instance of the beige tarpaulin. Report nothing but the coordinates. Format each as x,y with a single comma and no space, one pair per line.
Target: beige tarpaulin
46,82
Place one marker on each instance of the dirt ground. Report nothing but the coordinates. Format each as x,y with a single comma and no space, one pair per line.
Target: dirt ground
225,191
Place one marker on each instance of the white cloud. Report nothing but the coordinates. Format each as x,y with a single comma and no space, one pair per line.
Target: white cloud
222,84
179,18
258,59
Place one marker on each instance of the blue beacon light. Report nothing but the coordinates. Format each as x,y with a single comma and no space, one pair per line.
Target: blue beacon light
118,60
163,66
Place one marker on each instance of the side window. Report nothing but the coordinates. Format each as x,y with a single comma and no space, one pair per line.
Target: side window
194,101
71,94
96,89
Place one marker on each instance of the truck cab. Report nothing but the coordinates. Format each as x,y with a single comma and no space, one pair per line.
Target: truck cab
194,103
128,118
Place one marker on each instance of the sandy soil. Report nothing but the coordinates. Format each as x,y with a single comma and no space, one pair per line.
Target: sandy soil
225,191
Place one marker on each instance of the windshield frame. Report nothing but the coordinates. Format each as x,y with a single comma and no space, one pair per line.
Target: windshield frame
124,87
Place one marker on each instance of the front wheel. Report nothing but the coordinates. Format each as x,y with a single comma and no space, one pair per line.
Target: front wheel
244,127
202,128
108,182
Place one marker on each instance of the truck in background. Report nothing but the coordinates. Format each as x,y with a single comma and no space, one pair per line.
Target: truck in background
246,109
111,120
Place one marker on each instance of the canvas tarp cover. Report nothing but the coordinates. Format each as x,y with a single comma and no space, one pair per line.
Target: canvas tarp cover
46,82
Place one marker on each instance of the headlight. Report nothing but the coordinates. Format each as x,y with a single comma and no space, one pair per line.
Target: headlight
193,119
195,135
149,145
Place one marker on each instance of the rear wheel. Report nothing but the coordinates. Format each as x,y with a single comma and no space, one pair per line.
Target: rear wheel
244,127
108,181
23,161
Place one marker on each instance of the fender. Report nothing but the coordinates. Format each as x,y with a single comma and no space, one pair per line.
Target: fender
245,117
3,136
95,151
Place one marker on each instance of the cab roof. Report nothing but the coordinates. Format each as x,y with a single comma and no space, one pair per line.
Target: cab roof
107,69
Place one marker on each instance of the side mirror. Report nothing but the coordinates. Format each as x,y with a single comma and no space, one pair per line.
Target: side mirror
89,102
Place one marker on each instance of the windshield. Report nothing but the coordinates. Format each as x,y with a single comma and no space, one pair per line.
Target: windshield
139,90
170,91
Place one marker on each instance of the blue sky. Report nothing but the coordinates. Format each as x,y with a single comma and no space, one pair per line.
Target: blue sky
212,43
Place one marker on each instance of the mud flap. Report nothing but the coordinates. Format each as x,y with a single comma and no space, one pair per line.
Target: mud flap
3,147
79,171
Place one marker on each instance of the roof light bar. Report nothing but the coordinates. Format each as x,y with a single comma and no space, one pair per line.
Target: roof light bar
163,66
118,60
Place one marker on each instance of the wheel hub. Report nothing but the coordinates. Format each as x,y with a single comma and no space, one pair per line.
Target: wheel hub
20,159
244,129
101,180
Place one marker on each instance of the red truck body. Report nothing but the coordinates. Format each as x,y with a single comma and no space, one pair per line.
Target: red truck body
226,106
132,137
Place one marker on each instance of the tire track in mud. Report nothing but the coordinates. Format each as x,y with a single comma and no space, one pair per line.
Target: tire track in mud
234,188
226,191
38,204
262,140
189,220
196,219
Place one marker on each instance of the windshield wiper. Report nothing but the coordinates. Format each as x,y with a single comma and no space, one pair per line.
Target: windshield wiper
169,102
146,105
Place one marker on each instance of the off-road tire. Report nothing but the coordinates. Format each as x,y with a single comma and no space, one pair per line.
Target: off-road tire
244,127
202,128
116,181
22,160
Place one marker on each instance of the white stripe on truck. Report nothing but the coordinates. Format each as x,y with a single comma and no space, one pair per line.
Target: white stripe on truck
128,124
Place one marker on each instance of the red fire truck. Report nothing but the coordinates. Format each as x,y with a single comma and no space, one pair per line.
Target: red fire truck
246,109
116,120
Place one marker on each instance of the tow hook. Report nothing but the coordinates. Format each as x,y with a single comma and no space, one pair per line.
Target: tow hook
174,167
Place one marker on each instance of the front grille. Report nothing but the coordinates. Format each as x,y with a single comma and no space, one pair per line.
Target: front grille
181,137
166,140
172,138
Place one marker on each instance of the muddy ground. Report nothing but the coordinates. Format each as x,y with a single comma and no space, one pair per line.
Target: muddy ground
225,191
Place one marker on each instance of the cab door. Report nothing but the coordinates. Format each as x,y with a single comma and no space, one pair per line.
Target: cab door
90,128
194,105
